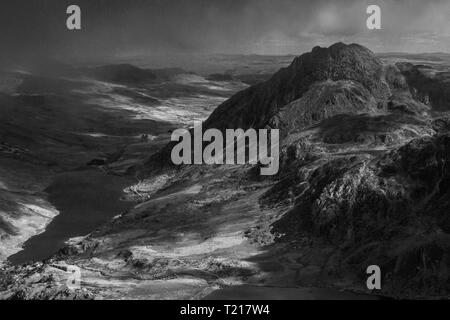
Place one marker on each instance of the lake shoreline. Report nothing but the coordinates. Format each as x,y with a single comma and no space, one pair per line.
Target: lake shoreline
85,199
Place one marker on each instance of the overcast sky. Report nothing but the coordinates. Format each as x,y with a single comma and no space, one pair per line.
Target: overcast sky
122,28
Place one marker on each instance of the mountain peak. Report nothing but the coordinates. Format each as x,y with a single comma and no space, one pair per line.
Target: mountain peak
351,71
340,48
339,62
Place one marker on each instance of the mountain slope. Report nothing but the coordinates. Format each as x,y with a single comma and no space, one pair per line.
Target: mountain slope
341,79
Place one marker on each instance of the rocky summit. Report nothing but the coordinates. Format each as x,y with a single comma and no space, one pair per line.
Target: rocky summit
317,85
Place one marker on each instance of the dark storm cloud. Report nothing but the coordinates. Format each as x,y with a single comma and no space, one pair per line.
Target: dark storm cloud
118,28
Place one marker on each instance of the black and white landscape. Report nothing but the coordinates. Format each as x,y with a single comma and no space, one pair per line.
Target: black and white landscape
86,178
